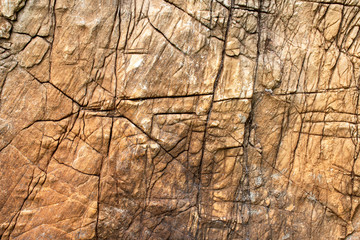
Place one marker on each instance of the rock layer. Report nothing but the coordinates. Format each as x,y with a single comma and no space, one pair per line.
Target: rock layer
169,119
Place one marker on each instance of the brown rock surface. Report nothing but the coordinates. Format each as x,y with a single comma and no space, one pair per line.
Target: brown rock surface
171,119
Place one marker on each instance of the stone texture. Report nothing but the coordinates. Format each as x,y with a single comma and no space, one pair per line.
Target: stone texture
10,7
170,119
5,28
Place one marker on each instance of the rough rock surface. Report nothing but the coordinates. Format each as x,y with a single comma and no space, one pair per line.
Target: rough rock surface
172,119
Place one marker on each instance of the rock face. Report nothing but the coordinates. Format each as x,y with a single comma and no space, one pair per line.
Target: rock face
171,119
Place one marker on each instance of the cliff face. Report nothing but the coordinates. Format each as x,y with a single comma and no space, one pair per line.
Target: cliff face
171,119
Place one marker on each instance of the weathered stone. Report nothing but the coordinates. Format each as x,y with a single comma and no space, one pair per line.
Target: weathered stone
8,8
5,28
169,119
33,53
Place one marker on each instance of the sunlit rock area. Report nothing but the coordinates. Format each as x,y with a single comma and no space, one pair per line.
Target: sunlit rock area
174,119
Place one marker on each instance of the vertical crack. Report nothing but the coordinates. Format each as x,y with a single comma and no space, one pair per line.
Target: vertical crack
244,192
118,13
216,82
99,180
53,20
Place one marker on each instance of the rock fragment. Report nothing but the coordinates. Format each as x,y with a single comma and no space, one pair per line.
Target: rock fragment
5,28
